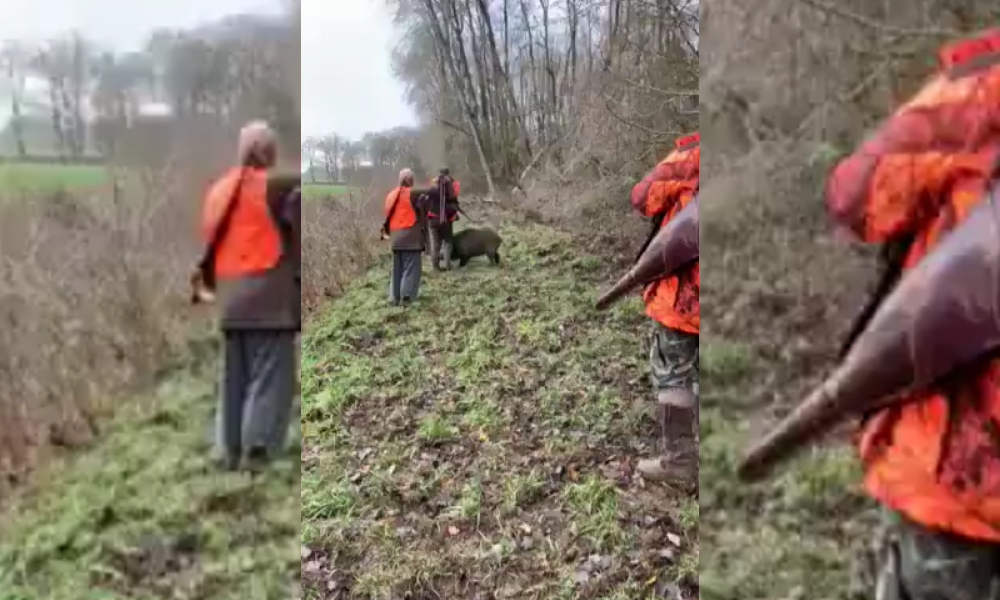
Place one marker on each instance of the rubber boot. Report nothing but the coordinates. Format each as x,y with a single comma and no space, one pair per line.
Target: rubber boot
677,463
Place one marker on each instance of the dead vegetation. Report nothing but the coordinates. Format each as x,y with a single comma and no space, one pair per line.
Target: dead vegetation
340,241
93,281
787,87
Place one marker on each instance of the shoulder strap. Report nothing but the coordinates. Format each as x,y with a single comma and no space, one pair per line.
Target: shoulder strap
207,262
891,257
392,211
655,223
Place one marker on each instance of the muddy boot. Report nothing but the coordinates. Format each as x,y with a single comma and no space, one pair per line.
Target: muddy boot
678,466
678,463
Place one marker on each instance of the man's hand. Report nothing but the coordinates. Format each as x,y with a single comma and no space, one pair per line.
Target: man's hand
383,233
201,292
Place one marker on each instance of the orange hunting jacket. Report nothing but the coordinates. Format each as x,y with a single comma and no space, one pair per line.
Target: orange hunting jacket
932,458
672,301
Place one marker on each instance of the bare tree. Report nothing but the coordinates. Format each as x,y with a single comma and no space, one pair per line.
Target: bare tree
330,147
14,61
517,85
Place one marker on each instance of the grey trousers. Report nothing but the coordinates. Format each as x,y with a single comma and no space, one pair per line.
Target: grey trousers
441,236
258,390
404,281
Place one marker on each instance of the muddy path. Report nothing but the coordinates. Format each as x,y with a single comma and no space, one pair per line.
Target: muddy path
481,443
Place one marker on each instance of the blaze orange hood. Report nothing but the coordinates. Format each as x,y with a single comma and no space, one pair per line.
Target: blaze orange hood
674,179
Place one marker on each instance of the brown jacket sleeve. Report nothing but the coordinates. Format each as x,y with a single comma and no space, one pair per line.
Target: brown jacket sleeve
293,216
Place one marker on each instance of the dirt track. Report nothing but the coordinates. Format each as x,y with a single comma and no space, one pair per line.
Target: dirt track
481,444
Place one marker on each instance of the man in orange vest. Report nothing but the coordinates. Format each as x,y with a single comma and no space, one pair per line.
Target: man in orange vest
251,223
933,459
441,224
404,226
672,303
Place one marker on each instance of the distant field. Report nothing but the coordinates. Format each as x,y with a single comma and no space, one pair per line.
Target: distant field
32,177
19,177
323,190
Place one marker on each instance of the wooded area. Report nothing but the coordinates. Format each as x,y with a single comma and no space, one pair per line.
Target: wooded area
509,89
582,87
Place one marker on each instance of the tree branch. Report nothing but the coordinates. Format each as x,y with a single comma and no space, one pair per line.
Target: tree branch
870,23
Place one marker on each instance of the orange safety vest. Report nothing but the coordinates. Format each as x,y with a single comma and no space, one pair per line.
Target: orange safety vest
932,457
402,216
252,243
672,301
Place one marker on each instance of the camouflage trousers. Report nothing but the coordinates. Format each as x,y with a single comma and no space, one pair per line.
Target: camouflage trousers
673,359
917,563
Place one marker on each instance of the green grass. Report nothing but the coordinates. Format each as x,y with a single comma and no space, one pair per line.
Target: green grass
40,178
314,191
143,515
471,445
798,535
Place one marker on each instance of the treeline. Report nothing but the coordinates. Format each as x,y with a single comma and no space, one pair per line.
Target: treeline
334,157
338,159
581,88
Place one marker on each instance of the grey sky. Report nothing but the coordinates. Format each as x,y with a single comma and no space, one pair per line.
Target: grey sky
347,83
120,24
116,24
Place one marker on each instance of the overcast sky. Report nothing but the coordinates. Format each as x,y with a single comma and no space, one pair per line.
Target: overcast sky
347,83
117,24
121,24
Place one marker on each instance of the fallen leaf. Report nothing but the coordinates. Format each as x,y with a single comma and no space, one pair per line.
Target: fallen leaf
312,566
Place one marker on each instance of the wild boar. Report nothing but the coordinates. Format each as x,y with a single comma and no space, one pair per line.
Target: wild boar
470,243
